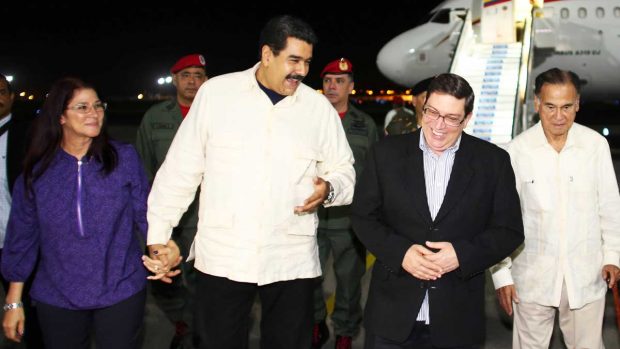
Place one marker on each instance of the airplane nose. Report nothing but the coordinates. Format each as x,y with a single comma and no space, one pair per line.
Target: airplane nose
397,58
389,62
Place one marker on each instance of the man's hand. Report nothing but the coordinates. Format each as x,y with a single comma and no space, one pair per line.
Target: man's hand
416,263
611,274
445,257
163,258
506,295
321,190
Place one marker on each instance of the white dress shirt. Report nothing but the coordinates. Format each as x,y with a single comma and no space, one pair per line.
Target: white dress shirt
571,216
255,162
437,171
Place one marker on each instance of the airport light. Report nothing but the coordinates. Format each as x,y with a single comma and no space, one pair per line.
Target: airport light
353,92
22,94
31,97
140,96
164,80
9,78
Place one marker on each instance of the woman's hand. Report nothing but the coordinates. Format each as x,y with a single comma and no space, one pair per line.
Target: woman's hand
162,261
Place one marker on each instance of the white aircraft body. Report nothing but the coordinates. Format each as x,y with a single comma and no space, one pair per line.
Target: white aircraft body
578,35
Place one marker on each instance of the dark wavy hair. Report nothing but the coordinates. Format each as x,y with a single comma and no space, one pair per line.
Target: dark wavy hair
46,134
455,86
280,28
556,76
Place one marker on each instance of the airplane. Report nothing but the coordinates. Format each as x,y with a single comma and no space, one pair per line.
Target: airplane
578,35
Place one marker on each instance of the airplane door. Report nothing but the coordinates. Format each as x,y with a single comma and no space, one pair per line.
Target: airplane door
545,31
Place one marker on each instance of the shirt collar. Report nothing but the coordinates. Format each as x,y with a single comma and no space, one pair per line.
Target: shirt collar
452,149
5,120
539,139
252,84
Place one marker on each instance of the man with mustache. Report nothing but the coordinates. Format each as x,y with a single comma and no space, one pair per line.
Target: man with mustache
266,150
13,144
156,131
335,234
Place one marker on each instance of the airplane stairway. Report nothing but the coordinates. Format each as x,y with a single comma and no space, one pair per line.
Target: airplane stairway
498,76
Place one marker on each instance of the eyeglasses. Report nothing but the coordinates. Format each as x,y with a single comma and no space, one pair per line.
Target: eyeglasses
84,108
450,120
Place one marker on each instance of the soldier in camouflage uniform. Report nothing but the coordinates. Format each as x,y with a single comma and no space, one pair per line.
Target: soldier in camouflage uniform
155,134
335,234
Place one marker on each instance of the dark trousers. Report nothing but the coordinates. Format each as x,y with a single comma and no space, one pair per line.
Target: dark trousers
223,306
32,333
420,338
115,327
349,266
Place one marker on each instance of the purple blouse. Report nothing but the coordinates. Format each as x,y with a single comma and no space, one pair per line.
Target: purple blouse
83,226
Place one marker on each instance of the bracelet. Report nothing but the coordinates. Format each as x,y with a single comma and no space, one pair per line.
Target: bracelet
10,306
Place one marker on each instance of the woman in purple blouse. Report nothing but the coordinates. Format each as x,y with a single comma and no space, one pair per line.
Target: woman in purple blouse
78,219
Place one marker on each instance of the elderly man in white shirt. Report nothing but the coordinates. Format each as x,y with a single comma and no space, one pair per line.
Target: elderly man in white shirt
570,204
267,150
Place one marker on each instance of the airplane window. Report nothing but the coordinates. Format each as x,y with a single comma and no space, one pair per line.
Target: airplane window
617,12
564,13
582,13
427,18
600,12
442,16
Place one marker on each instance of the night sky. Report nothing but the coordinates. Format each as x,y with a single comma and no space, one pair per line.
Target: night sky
124,49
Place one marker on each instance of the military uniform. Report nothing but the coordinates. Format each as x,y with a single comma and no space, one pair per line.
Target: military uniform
336,236
155,134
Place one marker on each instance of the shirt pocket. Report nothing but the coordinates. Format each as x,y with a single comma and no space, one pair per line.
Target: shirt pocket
223,152
305,165
161,143
535,195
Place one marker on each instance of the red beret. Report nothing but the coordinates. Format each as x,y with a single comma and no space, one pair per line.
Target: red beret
339,66
194,60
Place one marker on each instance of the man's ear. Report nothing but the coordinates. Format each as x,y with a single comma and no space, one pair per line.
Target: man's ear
266,54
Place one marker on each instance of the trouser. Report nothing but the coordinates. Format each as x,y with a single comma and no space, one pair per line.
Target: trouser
32,333
175,299
581,328
115,327
223,308
420,338
349,267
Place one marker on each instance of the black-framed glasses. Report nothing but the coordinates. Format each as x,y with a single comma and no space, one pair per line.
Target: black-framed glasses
449,119
85,108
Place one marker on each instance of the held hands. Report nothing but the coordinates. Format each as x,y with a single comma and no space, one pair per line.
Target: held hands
162,260
321,190
424,264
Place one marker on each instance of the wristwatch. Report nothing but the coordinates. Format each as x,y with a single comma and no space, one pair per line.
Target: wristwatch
330,195
10,306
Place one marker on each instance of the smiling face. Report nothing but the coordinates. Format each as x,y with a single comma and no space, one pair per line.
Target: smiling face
557,105
82,119
283,73
437,134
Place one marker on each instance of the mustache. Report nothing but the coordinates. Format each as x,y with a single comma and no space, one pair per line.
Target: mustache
297,77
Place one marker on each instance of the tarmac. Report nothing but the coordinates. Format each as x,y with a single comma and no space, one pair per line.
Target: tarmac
158,331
